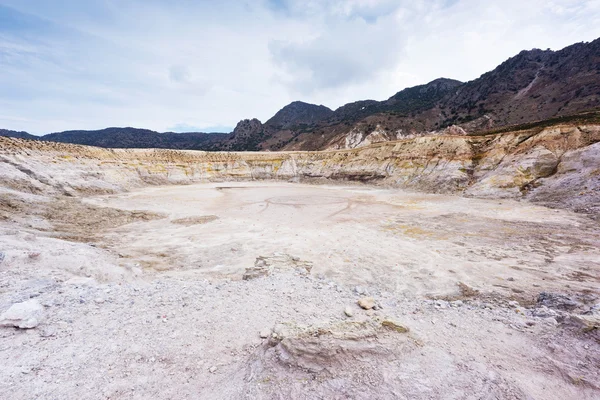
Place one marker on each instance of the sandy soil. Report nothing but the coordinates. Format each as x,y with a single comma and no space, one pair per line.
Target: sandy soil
144,296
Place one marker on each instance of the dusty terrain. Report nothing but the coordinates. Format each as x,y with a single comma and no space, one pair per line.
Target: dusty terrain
194,275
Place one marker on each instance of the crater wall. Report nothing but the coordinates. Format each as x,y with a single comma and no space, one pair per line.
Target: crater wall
558,166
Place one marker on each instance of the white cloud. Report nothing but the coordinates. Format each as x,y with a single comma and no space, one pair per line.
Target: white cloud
344,52
160,64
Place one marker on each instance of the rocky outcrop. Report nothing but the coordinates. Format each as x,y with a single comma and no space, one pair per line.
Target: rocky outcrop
298,113
557,165
25,315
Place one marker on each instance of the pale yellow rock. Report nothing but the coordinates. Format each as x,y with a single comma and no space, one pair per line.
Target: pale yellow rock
366,303
394,325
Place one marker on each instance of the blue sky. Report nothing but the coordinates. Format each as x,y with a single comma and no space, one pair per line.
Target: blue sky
183,65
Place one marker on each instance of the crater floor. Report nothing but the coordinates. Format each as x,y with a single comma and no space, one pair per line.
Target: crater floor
144,297
409,243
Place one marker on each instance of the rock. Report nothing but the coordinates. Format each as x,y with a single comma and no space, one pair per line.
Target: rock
212,369
550,321
99,300
265,333
361,291
260,269
280,331
24,315
544,312
266,265
595,310
330,345
348,311
557,301
513,304
48,331
394,325
586,323
441,304
366,303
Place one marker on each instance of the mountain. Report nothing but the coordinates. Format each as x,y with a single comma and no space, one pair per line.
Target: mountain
251,134
298,113
15,134
136,138
532,86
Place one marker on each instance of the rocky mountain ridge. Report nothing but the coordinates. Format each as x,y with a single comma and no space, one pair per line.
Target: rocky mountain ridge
534,85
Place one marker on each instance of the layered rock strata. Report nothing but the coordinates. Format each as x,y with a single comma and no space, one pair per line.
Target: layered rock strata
558,166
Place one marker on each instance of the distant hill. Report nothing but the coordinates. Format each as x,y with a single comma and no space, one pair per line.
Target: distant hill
532,86
137,138
16,134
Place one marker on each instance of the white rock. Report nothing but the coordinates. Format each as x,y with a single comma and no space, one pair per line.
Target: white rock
265,333
348,311
24,315
48,331
441,304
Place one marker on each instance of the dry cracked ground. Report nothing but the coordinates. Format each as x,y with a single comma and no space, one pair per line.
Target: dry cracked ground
278,290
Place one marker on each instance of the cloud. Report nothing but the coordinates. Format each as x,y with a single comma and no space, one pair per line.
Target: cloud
349,51
179,74
161,64
207,128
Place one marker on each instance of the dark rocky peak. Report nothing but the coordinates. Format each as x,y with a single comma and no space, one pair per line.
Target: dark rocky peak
509,78
441,85
525,60
433,90
418,98
246,128
354,111
579,57
298,113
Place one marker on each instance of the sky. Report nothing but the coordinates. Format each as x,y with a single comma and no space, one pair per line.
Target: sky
184,65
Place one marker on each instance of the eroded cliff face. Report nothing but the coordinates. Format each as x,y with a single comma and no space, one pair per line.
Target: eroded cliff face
559,166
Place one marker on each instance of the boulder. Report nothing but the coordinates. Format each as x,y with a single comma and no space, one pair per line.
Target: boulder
366,303
24,315
557,301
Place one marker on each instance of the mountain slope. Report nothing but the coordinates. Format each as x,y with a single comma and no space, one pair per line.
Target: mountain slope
298,113
17,134
532,86
136,138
